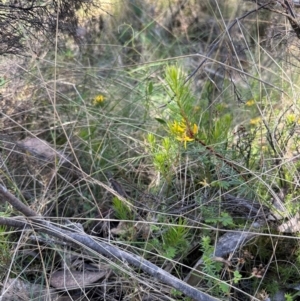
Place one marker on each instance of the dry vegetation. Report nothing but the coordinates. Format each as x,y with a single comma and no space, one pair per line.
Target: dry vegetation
159,145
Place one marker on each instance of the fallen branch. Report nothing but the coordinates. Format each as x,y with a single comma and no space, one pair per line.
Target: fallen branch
38,223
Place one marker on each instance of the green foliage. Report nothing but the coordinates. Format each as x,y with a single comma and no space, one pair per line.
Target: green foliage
183,99
297,253
174,239
212,267
122,211
169,252
221,184
5,241
236,277
163,154
215,128
288,297
188,124
224,219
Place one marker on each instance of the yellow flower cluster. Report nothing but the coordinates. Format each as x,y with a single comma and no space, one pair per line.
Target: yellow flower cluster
250,102
255,121
292,119
98,99
184,132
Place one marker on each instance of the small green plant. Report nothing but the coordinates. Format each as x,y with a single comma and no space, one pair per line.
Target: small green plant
5,250
224,219
175,239
236,277
288,297
180,124
190,129
164,155
170,241
211,267
5,256
122,211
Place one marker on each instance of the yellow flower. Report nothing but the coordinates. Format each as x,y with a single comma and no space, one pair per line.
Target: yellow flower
195,129
98,99
183,132
291,118
250,102
178,128
255,121
204,183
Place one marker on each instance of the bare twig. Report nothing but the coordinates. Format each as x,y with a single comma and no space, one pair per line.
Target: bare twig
16,203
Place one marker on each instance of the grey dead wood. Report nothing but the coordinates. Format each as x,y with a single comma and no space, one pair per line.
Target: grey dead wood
38,223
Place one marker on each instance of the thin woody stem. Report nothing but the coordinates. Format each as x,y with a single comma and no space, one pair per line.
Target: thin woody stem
213,152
